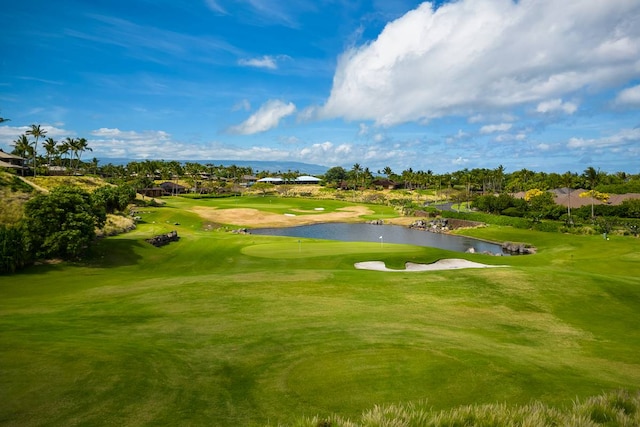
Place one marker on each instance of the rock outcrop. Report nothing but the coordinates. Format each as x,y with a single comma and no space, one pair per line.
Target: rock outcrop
518,248
164,239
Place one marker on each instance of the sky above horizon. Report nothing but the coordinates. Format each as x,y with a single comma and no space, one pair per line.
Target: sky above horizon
545,85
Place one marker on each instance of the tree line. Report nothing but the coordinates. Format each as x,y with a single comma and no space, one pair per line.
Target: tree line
66,153
484,181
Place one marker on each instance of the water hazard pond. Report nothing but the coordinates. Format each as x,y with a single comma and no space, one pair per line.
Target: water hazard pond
383,234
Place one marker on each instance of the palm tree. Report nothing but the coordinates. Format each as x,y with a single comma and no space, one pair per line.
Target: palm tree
592,176
80,147
22,148
355,170
50,145
567,181
36,131
176,170
65,148
498,178
94,165
193,169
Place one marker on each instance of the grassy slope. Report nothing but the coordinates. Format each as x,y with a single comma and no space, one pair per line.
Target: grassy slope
225,329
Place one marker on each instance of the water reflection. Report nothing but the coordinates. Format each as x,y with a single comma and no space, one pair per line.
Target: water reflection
383,234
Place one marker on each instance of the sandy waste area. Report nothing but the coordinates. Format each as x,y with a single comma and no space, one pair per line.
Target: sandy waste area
443,264
254,218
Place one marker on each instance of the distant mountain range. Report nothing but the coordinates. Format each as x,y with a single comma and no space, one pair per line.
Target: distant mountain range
256,165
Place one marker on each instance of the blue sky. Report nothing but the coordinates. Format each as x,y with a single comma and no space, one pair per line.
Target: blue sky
545,85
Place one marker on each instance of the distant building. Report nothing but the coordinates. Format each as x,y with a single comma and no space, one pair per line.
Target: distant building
248,180
11,161
306,179
151,192
385,183
173,188
270,180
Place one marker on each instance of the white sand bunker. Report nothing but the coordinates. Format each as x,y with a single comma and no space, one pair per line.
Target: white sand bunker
443,264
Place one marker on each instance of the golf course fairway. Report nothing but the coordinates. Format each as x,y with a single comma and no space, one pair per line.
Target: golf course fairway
230,329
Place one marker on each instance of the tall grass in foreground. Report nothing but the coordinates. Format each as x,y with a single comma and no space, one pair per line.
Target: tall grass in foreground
615,409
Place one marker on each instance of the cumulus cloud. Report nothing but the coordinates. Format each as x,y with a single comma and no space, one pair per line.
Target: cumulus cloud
8,134
113,143
267,117
266,61
629,97
475,55
157,144
459,161
506,137
622,138
502,127
556,106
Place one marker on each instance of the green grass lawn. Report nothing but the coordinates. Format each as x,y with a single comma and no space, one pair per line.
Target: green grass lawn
225,329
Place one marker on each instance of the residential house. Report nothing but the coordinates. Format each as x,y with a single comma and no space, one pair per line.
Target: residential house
171,188
151,192
11,161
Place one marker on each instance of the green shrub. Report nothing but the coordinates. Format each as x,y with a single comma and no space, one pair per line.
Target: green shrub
14,249
514,212
62,223
19,185
547,226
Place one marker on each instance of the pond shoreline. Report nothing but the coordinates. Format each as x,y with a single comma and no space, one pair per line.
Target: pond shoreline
383,233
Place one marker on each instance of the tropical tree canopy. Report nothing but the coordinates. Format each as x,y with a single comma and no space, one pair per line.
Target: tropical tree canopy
62,224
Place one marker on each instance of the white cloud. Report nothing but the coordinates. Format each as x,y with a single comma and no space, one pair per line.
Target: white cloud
266,61
308,114
216,7
459,161
629,96
507,137
242,105
379,137
477,55
622,138
555,106
477,118
113,142
502,127
8,134
461,134
267,117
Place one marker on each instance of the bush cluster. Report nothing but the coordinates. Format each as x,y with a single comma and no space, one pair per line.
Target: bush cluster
60,224
627,209
539,205
501,220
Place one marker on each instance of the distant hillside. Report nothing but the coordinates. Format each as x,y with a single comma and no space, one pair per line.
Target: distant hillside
256,165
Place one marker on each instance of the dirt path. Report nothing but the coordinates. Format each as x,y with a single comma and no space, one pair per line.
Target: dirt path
36,186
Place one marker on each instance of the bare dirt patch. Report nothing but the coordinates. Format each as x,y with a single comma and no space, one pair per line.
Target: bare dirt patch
255,218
